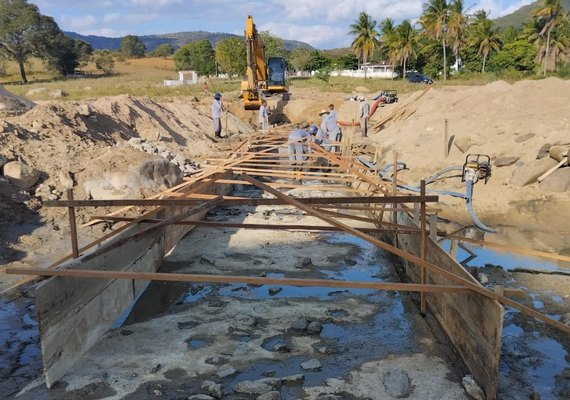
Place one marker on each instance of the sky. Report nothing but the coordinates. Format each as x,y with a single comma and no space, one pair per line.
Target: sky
324,24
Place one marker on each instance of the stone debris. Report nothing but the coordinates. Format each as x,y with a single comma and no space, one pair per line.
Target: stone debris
270,396
312,365
21,175
213,389
397,383
188,167
472,388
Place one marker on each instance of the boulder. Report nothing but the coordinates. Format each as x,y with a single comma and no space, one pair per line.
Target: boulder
558,181
84,110
559,153
256,388
312,365
21,175
505,161
11,104
543,151
463,144
275,395
213,389
529,173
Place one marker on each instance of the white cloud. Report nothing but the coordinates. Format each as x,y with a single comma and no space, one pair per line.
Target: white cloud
70,23
315,35
499,8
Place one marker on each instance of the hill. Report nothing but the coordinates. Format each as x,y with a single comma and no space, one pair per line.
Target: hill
175,39
518,18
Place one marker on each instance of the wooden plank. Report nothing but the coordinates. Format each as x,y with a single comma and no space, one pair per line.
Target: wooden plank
86,275
472,322
240,201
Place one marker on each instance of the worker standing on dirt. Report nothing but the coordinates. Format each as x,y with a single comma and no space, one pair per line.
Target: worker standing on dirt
296,140
332,128
363,115
217,114
263,116
206,89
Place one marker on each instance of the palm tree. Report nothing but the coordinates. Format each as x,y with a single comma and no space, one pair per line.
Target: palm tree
406,40
367,37
552,14
485,36
456,26
388,42
435,20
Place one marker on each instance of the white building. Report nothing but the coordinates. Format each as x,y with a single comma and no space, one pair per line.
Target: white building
183,79
385,71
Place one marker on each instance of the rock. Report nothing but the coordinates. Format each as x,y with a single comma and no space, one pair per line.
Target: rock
293,379
157,392
270,396
136,140
161,172
505,161
558,181
559,153
65,181
482,278
529,173
43,191
56,94
281,347
306,262
397,383
300,325
84,110
212,388
524,137
543,151
329,397
565,319
349,261
274,291
200,397
21,175
225,371
249,387
312,365
472,388
463,144
315,327
275,383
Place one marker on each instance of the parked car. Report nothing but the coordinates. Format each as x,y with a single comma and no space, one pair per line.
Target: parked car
416,77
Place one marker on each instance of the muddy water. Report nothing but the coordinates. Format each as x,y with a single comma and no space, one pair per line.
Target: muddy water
534,358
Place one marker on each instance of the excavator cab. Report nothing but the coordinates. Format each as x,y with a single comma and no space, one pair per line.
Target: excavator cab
277,75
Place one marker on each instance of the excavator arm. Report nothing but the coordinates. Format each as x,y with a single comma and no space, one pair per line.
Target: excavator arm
261,76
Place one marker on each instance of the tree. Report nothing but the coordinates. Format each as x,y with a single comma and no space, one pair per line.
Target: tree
518,55
197,55
318,61
367,37
25,33
551,14
104,62
274,46
435,20
231,56
132,47
64,54
163,50
405,42
484,36
457,25
347,61
301,58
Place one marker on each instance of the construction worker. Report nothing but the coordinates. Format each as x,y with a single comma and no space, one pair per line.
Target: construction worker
363,115
329,125
296,140
217,114
263,116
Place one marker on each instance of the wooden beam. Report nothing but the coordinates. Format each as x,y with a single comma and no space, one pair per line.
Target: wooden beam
177,277
413,259
240,201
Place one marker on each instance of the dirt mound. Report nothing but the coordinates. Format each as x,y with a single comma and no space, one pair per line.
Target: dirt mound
11,104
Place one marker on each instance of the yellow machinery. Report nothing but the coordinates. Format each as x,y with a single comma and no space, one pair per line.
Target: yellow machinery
261,77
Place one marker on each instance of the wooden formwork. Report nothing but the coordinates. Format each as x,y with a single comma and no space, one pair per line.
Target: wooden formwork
74,311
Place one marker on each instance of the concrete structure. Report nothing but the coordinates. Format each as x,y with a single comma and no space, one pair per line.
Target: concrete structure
385,71
182,75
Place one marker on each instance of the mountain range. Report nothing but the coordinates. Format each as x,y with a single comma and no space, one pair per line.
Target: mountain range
175,39
520,16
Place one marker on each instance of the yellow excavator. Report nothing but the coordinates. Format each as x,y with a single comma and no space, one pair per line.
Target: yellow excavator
262,76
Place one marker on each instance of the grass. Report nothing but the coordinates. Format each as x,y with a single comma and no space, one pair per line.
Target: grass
144,77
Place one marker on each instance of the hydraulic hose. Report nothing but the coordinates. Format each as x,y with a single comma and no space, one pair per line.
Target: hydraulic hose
370,114
468,195
469,200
